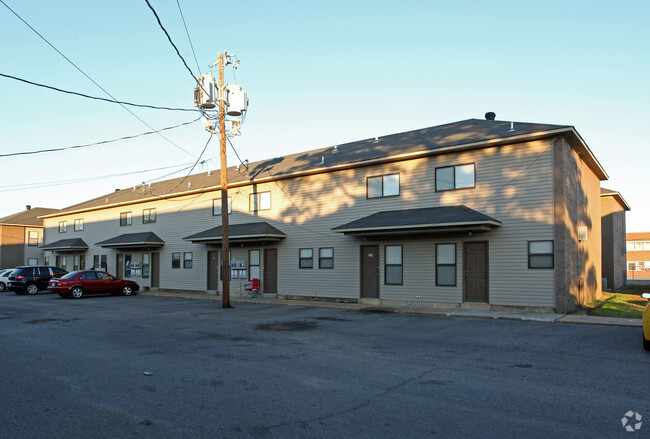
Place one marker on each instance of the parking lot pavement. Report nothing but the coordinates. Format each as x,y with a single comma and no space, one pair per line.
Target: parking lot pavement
423,309
169,367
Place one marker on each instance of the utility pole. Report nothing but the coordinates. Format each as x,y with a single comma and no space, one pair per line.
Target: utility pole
225,251
233,100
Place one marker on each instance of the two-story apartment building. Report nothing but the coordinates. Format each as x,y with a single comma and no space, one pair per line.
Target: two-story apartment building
473,212
21,235
638,256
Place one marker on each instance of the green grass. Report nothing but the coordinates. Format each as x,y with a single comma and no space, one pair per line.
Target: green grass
624,302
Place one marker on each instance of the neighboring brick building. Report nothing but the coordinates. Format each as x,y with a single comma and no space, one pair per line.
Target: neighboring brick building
638,256
21,234
613,208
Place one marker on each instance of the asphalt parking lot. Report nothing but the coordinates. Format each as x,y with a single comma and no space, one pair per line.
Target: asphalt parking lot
164,367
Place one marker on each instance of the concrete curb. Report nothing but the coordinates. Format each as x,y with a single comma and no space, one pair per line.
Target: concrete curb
416,310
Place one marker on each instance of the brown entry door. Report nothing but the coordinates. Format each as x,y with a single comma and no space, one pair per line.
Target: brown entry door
369,272
270,283
475,264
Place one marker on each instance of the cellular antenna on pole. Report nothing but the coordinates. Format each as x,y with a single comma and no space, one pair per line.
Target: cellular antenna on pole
215,100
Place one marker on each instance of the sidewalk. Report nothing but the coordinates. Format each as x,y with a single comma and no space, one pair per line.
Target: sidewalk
422,309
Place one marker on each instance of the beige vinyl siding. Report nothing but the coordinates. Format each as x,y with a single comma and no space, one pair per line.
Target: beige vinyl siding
514,184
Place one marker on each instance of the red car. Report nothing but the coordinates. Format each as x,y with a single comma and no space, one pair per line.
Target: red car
78,283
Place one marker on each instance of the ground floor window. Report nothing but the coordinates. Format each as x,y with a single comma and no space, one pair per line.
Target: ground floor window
306,258
446,265
393,269
127,265
326,257
176,260
145,265
187,260
540,254
638,266
254,264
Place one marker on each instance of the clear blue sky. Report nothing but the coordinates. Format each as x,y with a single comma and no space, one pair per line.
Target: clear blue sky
317,74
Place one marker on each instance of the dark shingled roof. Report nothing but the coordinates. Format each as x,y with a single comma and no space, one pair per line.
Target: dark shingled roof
29,217
428,219
261,231
466,134
66,245
129,240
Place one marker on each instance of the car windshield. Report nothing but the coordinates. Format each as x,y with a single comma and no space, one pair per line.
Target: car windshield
70,275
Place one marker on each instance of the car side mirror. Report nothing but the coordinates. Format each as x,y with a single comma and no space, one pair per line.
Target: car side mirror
645,295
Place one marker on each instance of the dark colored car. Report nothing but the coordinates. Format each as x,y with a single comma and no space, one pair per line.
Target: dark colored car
32,279
78,283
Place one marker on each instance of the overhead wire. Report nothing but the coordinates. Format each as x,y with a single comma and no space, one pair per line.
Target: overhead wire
103,142
13,188
170,40
92,80
198,68
95,97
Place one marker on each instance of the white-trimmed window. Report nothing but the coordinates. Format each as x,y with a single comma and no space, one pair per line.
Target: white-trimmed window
638,266
32,239
540,254
63,226
393,267
382,186
216,206
638,246
455,177
306,258
446,265
78,225
259,201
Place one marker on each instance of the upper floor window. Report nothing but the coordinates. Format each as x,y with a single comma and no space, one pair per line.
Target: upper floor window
259,201
540,254
78,225
638,245
32,239
187,260
63,226
148,216
455,177
382,186
126,219
216,206
176,260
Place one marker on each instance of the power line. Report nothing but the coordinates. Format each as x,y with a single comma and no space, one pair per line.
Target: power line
91,79
103,142
95,97
188,35
170,40
15,188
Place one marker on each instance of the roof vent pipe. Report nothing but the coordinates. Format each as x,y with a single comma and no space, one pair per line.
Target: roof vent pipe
490,115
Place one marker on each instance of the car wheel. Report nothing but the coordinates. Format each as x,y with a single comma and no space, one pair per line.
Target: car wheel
2,287
31,289
77,292
127,290
646,344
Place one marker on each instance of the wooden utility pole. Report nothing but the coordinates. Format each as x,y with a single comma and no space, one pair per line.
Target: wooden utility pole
225,253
